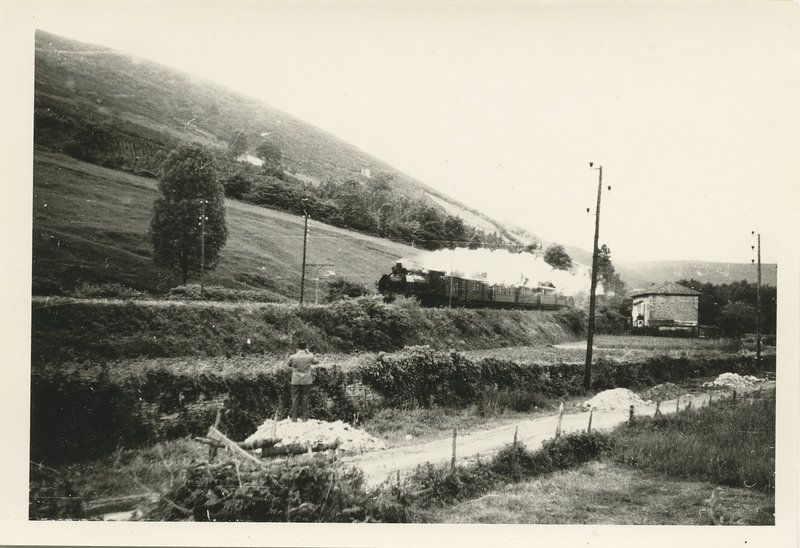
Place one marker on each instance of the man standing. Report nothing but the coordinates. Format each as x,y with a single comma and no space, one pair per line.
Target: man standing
301,362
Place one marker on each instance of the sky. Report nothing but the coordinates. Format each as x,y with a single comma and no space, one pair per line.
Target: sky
691,109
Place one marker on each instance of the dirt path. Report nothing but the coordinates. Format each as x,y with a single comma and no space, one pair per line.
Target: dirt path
380,465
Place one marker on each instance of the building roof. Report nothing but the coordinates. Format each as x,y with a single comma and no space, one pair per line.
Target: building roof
667,288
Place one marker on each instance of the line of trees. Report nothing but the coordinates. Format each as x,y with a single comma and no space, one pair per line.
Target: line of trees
373,206
732,306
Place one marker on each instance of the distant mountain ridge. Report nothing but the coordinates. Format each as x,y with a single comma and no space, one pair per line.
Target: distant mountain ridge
702,271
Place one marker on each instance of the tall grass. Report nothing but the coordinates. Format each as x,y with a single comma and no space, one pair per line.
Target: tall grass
730,443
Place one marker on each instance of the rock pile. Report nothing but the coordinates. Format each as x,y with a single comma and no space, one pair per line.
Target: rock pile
314,432
618,398
732,380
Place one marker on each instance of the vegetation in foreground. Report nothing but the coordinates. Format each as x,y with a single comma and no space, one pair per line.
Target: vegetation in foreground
515,486
729,443
601,492
703,466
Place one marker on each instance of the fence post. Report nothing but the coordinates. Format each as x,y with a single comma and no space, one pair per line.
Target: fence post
560,414
630,418
515,436
678,404
709,399
589,428
453,460
734,395
658,409
689,406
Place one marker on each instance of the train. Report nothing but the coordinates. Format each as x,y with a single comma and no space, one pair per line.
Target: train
437,288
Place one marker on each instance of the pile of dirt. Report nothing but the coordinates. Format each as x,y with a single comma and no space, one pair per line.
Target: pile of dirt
732,380
618,398
314,432
662,392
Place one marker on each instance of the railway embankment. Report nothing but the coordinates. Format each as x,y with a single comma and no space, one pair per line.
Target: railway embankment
68,330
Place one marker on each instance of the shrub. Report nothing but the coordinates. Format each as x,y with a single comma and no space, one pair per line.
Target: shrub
341,289
105,290
520,399
422,376
573,319
301,490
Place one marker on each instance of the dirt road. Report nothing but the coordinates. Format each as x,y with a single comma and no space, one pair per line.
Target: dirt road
380,465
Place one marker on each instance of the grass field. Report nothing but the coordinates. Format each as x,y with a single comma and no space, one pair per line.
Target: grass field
91,225
610,494
619,348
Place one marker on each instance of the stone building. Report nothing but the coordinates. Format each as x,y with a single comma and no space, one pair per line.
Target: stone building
666,307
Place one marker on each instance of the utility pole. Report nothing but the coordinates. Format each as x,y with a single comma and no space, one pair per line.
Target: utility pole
587,374
758,301
305,241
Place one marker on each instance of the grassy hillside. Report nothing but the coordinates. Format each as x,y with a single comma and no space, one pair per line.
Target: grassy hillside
132,111
91,226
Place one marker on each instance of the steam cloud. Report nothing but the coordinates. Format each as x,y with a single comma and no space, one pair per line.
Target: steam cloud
502,267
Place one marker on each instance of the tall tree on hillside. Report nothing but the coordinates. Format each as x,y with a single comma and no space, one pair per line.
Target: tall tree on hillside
557,257
272,156
606,272
189,217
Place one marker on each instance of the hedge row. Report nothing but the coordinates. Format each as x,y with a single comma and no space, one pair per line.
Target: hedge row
81,412
424,376
87,413
66,331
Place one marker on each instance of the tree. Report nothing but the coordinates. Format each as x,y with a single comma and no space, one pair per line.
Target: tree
237,184
271,154
736,319
189,189
557,257
606,272
454,230
238,143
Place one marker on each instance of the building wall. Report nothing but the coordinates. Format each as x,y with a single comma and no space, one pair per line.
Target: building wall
665,310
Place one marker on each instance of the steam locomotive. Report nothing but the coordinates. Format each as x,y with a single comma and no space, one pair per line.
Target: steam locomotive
437,288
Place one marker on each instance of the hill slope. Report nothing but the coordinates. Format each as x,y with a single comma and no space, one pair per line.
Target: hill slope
101,105
91,225
129,112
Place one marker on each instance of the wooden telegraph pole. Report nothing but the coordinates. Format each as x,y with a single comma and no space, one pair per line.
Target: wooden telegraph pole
587,374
